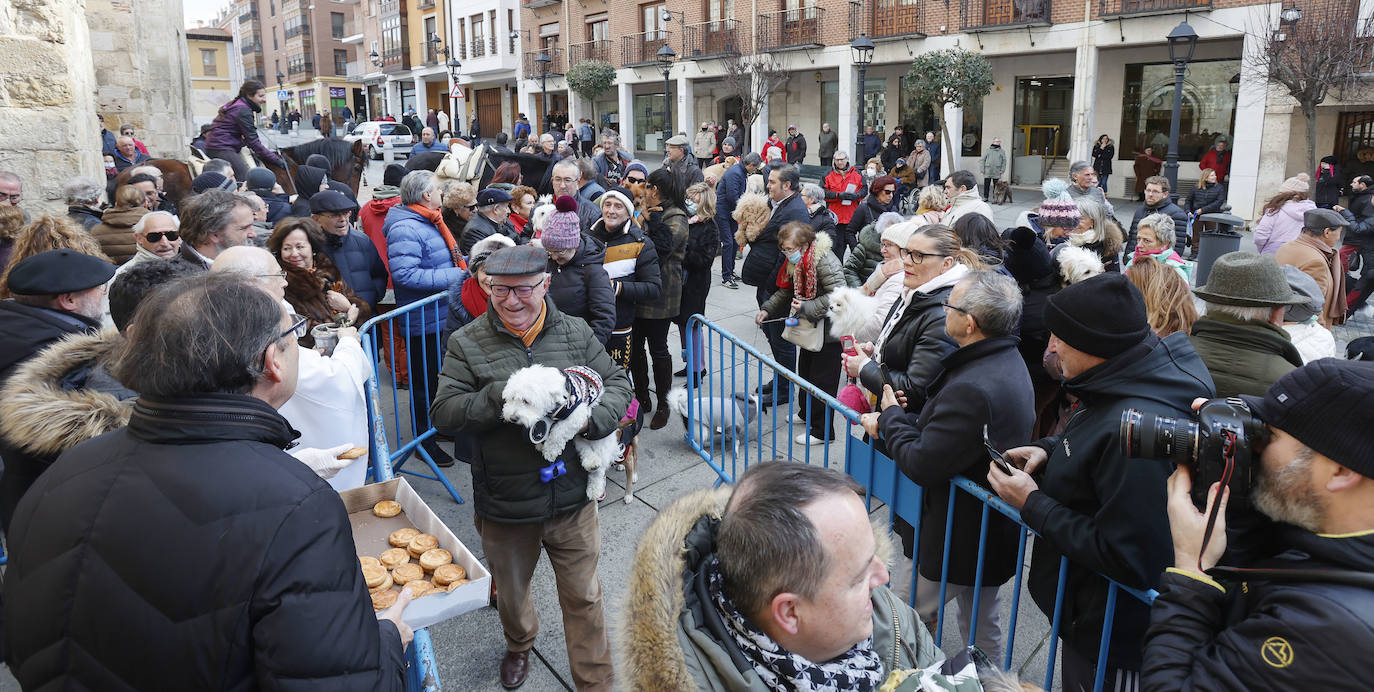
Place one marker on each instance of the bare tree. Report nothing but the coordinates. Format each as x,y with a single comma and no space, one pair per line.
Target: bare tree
752,78
1313,58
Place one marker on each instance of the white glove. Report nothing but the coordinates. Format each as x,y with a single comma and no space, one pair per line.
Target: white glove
324,462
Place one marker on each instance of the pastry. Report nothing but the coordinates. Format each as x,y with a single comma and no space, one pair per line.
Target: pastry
367,560
420,587
386,509
386,584
395,557
421,543
456,584
434,558
374,575
353,453
401,537
381,600
447,574
407,573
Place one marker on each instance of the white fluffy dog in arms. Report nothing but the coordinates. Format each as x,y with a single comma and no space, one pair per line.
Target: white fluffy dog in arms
850,309
554,406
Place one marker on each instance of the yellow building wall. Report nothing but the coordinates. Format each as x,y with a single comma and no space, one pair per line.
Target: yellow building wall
208,91
417,11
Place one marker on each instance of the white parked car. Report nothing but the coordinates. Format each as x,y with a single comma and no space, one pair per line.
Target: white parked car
375,133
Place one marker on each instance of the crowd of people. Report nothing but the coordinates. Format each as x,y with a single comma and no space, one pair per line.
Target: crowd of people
207,351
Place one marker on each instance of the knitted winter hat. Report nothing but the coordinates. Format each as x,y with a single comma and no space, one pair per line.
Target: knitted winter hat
1297,183
211,180
1101,316
1056,214
393,174
1055,189
483,248
563,231
637,165
1304,402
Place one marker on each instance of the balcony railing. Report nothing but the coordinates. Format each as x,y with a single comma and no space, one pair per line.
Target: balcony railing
249,48
298,30
532,69
249,15
886,18
395,59
708,39
794,28
300,68
536,4
1116,8
985,14
477,47
640,49
590,50
253,74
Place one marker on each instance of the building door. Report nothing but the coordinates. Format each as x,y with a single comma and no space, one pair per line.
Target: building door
1355,144
1044,111
489,111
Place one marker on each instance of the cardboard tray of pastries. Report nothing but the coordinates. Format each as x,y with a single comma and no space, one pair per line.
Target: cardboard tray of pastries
371,538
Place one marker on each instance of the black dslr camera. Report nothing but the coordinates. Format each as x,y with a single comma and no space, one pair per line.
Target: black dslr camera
1220,444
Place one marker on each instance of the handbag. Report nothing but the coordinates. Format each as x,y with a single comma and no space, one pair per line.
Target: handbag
806,334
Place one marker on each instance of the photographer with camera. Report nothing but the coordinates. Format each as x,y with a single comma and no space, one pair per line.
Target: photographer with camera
1093,503
1305,616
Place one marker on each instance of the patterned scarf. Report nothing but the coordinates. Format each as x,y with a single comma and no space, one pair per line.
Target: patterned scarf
436,217
804,285
779,669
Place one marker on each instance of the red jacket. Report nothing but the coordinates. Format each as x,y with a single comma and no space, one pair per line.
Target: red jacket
773,143
372,216
1221,164
838,183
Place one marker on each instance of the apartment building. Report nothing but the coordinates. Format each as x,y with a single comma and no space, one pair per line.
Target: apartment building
211,51
1066,72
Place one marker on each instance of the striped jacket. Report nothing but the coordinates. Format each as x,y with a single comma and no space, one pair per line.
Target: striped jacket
632,264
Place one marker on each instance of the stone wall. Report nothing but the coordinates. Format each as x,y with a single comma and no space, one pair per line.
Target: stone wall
63,61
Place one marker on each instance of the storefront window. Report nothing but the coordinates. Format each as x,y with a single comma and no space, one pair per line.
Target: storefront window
1209,108
973,129
649,123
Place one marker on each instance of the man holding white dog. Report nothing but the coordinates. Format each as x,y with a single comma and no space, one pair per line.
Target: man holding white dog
523,502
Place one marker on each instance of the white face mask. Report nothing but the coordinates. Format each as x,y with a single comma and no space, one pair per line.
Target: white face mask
872,170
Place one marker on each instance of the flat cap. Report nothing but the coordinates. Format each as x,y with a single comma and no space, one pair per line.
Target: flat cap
521,260
492,195
1323,218
677,141
55,272
330,201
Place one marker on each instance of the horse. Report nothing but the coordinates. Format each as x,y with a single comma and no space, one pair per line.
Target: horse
534,170
347,160
177,177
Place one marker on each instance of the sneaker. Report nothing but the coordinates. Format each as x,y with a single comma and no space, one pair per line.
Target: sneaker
730,283
797,418
805,439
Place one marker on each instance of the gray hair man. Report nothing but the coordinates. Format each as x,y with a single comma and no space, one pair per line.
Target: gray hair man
493,216
158,236
522,502
212,357
683,167
1083,183
212,222
1241,337
610,163
589,192
83,201
794,566
56,292
11,188
985,389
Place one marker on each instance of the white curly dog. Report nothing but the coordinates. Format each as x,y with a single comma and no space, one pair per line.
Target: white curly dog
554,406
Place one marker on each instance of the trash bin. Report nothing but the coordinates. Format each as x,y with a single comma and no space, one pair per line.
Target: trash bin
1214,244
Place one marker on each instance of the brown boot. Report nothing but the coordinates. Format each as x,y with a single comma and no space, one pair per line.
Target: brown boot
660,418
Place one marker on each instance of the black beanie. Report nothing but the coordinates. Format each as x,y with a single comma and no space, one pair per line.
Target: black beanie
392,174
1328,405
1101,316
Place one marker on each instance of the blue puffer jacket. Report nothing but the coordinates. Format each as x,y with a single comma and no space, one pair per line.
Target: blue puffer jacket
359,264
420,265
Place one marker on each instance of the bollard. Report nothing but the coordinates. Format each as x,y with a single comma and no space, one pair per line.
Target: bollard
388,153
1214,244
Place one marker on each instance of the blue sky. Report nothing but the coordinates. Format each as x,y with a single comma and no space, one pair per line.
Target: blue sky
201,9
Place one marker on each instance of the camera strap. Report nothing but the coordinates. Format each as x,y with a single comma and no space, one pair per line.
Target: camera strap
1228,452
1329,576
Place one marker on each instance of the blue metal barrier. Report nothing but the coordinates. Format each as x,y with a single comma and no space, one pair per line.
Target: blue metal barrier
732,364
378,342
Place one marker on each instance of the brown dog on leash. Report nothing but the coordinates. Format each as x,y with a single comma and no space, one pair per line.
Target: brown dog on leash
1001,193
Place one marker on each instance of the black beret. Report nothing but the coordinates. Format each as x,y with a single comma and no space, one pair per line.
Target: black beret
330,200
55,272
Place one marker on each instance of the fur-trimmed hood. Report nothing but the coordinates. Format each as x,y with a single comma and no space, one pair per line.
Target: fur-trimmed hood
650,647
752,213
41,412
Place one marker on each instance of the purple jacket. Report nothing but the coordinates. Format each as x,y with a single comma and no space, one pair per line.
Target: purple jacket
234,127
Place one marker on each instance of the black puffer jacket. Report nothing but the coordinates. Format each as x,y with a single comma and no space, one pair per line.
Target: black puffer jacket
1360,216
984,383
761,265
703,244
582,289
632,265
88,218
1206,201
479,227
359,264
1173,211
867,214
187,551
823,221
25,330
1103,510
913,350
506,485
1267,635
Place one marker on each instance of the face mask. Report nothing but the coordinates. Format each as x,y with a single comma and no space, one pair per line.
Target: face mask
872,170
691,208
795,257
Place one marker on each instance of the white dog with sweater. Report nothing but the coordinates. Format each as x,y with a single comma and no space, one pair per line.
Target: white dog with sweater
554,406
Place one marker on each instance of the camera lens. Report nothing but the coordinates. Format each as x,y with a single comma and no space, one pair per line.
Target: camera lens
1157,437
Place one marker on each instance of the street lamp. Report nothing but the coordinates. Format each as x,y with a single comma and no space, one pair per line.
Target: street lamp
544,61
665,60
862,48
1182,41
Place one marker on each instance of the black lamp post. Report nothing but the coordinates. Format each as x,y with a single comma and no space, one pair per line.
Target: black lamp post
666,56
1182,41
862,48
281,103
544,61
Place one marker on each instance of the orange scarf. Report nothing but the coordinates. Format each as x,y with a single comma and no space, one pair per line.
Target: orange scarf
528,336
436,217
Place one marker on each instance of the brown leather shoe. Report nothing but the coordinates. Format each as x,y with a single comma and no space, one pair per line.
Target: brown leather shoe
660,418
515,667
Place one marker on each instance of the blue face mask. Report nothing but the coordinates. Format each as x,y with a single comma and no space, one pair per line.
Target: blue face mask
795,257
691,208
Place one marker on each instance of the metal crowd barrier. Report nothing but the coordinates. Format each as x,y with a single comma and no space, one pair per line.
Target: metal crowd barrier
380,336
729,441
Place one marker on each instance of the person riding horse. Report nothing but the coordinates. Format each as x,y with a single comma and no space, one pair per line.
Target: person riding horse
235,126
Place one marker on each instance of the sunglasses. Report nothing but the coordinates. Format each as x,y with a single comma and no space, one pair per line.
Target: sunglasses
635,180
155,237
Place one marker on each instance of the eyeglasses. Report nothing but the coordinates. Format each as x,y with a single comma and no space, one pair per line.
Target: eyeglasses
155,237
275,275
956,307
14,199
562,253
298,327
916,256
502,290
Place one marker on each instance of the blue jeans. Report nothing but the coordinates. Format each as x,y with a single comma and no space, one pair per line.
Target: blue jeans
1102,182
727,249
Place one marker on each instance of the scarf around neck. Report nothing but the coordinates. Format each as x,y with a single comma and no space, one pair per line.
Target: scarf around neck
436,217
779,669
529,335
804,286
473,297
